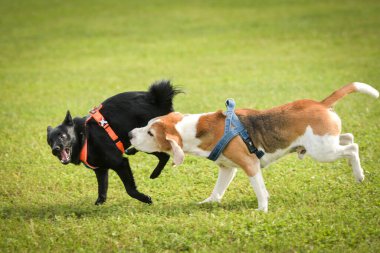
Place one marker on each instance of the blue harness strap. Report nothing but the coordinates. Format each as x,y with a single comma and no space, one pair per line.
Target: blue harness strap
229,133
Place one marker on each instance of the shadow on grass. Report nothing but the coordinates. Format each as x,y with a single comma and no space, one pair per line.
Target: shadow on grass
85,209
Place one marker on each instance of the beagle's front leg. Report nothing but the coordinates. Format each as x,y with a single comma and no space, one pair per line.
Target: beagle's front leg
226,175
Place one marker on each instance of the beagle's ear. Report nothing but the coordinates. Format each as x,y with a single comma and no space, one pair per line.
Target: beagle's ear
178,155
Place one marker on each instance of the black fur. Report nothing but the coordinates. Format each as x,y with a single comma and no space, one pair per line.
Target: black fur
123,112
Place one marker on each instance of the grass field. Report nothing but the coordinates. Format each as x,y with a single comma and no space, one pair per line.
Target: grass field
59,55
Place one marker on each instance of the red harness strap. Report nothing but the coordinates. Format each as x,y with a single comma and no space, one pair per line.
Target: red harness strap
99,118
83,156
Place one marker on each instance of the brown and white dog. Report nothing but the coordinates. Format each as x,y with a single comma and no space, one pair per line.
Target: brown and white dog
304,126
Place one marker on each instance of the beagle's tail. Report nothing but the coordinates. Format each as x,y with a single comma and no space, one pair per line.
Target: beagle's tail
347,89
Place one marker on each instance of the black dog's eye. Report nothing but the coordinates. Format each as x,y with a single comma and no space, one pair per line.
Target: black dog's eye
150,133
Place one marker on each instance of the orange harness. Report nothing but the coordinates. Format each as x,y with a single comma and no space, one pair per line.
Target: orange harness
99,118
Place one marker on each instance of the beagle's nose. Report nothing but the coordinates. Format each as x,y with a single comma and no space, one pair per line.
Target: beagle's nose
130,135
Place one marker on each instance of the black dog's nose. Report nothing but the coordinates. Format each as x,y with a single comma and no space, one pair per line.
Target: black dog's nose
56,150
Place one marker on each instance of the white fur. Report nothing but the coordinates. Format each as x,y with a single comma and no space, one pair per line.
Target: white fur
345,139
326,148
319,147
178,155
268,158
334,116
225,177
366,89
262,195
187,129
225,162
142,140
316,146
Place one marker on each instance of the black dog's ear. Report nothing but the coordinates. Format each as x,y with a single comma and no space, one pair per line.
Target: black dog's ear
49,128
68,120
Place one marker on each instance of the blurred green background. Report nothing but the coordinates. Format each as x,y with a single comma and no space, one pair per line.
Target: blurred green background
59,55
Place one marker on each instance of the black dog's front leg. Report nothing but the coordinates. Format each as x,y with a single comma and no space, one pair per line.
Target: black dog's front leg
163,160
125,173
131,151
102,177
162,157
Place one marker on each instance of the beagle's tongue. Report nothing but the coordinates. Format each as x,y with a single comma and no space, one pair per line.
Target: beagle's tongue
64,156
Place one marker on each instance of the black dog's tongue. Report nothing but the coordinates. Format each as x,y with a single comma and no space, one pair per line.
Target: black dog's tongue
64,156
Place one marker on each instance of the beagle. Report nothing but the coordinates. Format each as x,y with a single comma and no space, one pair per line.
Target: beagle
305,126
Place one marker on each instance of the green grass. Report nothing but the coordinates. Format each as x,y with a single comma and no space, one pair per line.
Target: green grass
59,55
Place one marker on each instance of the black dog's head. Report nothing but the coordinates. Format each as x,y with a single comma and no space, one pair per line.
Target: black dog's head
63,140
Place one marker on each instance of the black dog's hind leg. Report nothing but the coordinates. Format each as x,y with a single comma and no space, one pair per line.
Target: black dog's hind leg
125,173
102,177
163,160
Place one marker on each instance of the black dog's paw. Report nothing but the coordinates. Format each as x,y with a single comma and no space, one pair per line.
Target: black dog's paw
100,201
146,199
155,174
131,151
163,159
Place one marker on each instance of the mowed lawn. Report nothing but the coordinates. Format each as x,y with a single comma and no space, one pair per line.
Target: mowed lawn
59,55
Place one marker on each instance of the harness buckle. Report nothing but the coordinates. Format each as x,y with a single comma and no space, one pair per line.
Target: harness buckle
103,123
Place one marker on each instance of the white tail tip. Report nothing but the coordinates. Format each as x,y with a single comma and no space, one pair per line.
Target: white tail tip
367,89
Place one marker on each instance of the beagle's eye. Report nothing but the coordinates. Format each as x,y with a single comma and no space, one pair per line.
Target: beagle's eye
150,133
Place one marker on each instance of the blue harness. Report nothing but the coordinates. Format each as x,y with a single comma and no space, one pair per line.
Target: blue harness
229,133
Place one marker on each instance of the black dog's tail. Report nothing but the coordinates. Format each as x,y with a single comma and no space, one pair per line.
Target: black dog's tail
162,94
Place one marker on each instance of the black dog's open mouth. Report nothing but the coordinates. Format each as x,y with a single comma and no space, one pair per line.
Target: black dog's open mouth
65,156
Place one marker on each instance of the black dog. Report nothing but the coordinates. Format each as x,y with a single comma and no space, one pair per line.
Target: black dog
123,112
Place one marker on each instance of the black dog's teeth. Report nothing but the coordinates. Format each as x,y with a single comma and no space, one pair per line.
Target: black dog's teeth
65,155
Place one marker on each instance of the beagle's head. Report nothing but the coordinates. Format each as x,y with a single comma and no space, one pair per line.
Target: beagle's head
160,135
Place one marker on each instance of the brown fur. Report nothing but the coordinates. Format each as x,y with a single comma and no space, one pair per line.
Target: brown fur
165,129
237,152
210,129
276,128
271,129
338,94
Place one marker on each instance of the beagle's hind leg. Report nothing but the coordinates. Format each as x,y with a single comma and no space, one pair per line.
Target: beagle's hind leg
332,151
345,139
